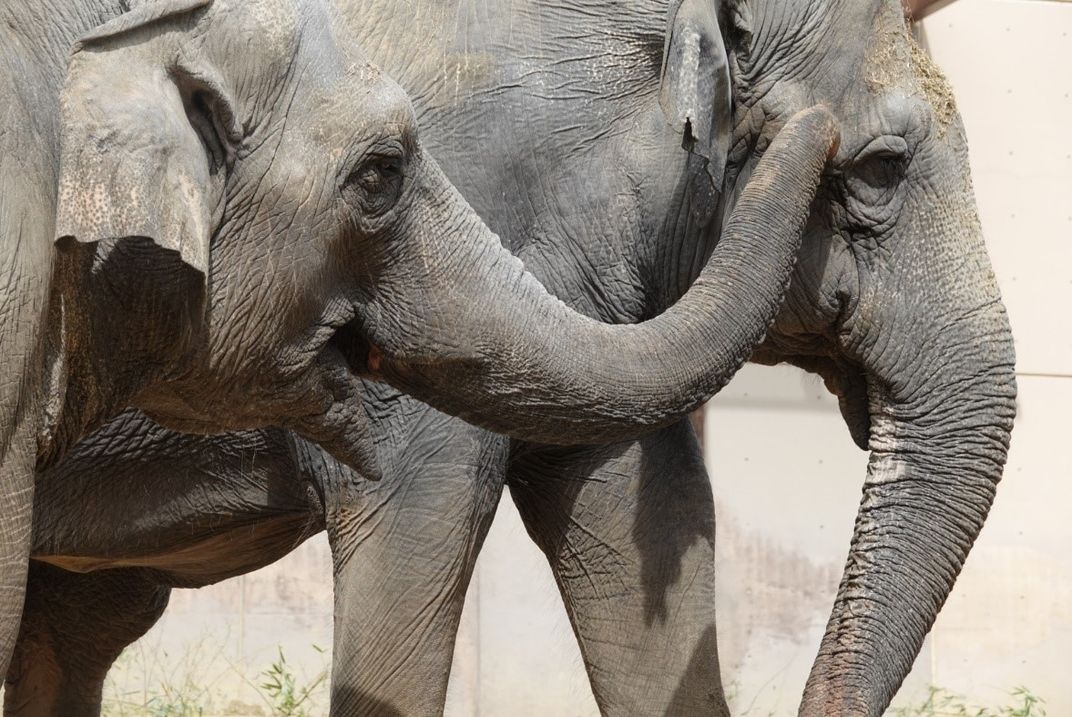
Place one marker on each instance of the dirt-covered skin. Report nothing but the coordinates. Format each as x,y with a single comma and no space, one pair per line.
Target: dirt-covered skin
893,303
220,212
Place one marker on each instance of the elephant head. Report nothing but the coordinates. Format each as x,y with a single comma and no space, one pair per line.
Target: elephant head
895,306
261,191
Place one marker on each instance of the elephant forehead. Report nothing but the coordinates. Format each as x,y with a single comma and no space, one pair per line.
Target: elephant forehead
274,22
857,57
269,39
346,112
820,42
285,48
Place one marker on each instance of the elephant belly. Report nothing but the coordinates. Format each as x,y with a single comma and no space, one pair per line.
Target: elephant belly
194,561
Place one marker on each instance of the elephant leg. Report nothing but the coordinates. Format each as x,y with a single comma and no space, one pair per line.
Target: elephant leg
74,627
404,551
629,530
16,512
25,266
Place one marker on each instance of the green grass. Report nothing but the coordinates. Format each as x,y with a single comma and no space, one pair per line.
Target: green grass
192,686
939,702
284,693
943,703
185,688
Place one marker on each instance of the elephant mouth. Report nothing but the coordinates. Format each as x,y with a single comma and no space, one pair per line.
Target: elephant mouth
362,357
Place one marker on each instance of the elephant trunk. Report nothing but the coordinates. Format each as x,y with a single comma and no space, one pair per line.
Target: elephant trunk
941,394
505,354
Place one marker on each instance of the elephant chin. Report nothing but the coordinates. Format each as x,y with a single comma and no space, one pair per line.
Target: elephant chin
341,426
854,402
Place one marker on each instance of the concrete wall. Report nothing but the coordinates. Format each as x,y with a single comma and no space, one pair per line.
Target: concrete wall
786,476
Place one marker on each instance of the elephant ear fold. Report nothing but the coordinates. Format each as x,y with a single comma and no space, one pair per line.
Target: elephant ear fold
142,145
695,85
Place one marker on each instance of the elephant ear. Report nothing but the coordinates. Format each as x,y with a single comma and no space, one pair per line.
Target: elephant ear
695,84
140,144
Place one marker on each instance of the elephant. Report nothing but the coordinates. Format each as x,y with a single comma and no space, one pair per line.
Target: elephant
892,302
229,239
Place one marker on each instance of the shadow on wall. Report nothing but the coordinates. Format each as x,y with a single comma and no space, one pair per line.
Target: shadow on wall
767,586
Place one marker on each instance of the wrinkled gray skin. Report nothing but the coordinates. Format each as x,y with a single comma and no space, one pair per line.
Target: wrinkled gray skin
221,213
893,303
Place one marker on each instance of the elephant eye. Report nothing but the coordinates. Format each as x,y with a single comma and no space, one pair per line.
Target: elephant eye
880,165
875,178
377,183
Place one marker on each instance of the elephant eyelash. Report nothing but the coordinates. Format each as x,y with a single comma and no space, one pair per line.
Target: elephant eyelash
387,163
376,184
873,173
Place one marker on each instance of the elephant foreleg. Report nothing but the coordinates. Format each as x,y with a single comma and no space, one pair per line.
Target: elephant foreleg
73,628
404,551
629,530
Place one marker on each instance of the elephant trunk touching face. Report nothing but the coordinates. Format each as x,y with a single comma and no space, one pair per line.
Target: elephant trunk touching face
485,341
210,196
304,247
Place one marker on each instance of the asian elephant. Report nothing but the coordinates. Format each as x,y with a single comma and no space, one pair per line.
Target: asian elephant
222,214
893,303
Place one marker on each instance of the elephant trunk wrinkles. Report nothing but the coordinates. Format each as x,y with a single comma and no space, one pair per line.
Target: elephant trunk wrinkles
527,365
938,447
